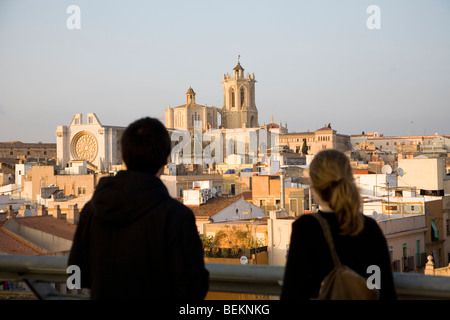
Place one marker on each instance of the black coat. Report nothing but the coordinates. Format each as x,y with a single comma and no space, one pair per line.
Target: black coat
309,258
134,241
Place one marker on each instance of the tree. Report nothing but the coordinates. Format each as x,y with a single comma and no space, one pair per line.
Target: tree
304,147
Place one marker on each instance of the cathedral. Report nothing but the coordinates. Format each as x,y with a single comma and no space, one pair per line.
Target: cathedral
90,141
185,116
99,145
238,111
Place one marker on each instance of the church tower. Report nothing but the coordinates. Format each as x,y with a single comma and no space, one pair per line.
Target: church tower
239,109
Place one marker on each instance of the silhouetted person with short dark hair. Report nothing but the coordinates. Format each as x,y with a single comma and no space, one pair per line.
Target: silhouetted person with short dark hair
133,240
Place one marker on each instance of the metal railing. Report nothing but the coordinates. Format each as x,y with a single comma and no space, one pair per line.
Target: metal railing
39,271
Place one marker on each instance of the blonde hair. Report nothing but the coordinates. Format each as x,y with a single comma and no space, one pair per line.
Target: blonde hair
332,179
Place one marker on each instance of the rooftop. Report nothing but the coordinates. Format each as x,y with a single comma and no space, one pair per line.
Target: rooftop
49,224
20,144
238,67
11,244
214,205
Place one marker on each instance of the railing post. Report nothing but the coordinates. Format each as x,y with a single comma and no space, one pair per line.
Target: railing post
429,267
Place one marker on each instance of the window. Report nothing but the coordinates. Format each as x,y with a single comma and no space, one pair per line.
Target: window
447,226
434,232
242,97
405,257
195,117
391,208
181,192
233,98
81,190
396,266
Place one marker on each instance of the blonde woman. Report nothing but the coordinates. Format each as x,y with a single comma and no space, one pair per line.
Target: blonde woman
358,240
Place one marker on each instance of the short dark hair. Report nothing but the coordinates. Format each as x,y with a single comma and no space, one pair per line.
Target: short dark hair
145,145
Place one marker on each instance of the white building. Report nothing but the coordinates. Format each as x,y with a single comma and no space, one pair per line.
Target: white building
376,184
201,192
406,242
98,145
279,229
21,172
426,174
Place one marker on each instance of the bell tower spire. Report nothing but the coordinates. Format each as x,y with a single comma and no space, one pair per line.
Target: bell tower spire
239,109
190,96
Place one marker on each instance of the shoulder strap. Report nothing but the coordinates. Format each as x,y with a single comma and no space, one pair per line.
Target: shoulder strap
328,237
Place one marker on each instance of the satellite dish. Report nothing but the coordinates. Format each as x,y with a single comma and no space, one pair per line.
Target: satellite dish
386,169
375,215
213,191
400,172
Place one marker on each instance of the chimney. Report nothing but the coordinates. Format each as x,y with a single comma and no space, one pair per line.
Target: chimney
58,214
73,214
42,211
24,211
10,211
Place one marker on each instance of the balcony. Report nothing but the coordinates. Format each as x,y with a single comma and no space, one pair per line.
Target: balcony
39,271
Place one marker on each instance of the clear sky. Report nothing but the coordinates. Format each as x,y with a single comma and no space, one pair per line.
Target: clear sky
315,62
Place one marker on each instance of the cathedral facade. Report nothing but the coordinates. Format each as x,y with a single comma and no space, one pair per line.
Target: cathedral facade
238,110
98,145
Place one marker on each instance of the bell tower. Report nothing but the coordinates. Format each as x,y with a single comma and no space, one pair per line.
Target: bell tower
239,109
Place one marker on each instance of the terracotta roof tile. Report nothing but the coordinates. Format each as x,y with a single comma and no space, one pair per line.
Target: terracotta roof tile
214,205
11,244
48,224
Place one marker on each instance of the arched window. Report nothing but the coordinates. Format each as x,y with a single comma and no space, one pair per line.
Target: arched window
233,99
242,97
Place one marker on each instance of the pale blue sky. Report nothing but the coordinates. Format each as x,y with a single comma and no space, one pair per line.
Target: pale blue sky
315,62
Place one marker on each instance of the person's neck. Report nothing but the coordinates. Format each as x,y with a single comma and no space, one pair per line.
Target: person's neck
325,208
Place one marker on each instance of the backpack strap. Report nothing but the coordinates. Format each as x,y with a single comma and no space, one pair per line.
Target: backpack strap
328,238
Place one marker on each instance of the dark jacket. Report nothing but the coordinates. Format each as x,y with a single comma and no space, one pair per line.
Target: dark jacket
134,241
309,258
